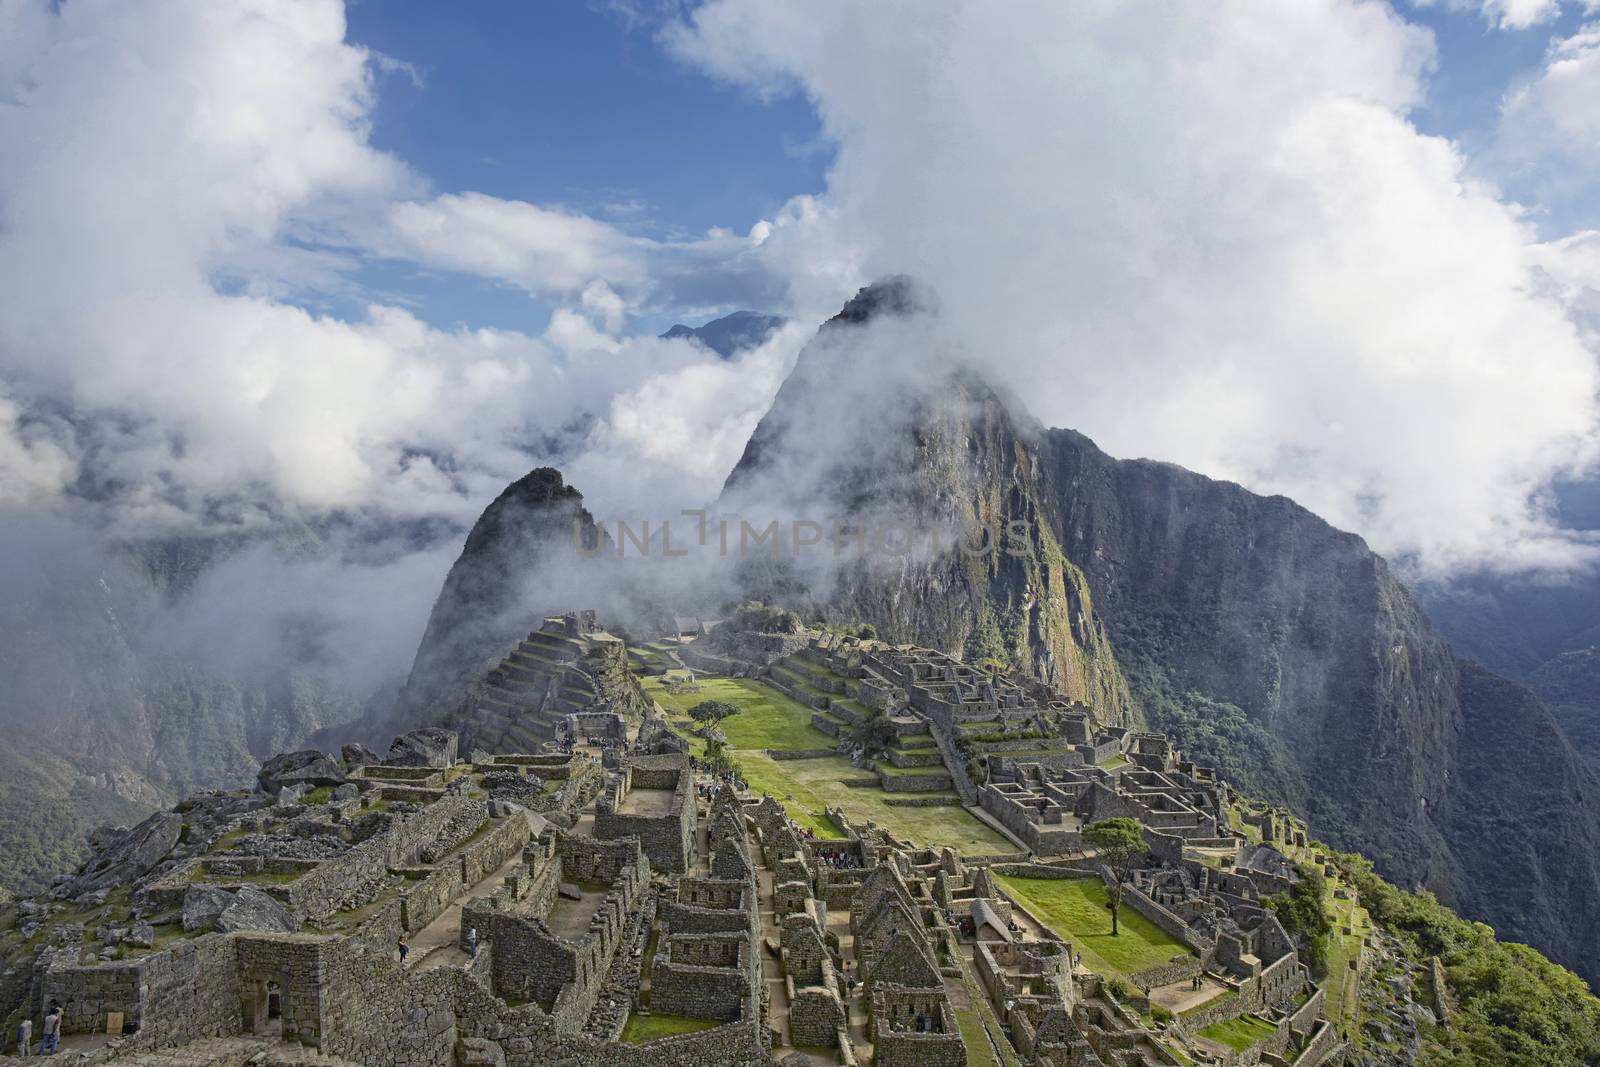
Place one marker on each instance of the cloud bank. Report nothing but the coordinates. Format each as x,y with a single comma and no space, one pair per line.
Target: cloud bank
1211,236
1214,237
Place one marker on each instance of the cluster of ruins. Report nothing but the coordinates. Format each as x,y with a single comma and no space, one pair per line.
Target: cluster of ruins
494,894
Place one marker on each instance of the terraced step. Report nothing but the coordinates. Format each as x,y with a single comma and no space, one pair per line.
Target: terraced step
527,736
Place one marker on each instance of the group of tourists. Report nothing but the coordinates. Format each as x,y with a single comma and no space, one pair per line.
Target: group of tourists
49,1036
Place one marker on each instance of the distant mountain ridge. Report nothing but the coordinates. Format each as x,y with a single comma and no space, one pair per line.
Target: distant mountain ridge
731,334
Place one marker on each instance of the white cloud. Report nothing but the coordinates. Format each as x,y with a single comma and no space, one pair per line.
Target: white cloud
1209,235
542,250
167,173
1505,14
1547,144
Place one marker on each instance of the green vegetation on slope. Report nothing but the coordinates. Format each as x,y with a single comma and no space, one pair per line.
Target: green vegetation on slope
1303,911
46,812
1516,1008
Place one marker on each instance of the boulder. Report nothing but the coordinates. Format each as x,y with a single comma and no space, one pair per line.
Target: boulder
348,791
251,909
359,755
289,796
203,905
140,935
309,769
132,856
480,1052
102,838
428,747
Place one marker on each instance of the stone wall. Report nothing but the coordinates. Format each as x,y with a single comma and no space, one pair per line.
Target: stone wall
802,753
86,994
1164,920
703,976
668,840
191,991
1166,973
346,881
816,1015
929,782
294,966
427,898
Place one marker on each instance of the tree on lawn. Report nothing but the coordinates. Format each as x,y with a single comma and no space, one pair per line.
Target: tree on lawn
1117,843
712,711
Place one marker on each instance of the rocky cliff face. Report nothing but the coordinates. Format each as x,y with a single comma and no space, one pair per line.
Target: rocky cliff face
1446,774
1261,637
948,470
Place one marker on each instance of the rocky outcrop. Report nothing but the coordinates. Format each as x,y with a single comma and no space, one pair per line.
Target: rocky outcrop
1236,610
943,461
356,754
251,909
731,334
428,747
309,769
135,854
202,906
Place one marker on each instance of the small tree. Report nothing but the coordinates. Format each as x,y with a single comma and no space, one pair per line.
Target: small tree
716,757
712,711
1117,843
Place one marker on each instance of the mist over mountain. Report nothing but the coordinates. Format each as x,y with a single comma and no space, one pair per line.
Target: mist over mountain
134,672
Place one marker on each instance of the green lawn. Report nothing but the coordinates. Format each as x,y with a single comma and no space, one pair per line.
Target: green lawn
806,786
770,720
1076,908
766,719
1239,1034
642,1028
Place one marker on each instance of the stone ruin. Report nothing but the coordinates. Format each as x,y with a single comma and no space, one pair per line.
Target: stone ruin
550,905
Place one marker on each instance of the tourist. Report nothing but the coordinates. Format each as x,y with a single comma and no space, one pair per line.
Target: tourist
52,1032
472,942
405,949
25,1037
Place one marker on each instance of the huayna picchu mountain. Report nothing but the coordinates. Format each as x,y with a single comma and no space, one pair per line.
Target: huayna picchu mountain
1267,642
478,616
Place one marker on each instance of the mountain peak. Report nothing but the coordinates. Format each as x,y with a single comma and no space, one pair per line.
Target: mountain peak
731,334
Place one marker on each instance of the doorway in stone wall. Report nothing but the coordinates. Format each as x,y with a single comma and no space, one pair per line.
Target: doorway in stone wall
265,1018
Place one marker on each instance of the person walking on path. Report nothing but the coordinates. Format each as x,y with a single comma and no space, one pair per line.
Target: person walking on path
405,949
25,1038
51,1039
472,942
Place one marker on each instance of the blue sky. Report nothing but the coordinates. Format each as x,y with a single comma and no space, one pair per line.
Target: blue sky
578,105
572,104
